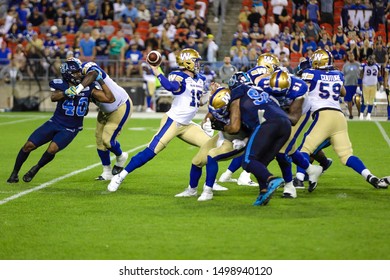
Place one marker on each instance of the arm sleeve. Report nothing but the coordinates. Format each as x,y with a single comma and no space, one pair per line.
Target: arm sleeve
171,86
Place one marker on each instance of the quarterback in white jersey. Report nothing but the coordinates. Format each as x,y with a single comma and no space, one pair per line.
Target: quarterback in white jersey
187,87
110,120
325,88
369,73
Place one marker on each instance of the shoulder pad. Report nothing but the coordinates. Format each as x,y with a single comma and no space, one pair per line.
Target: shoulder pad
58,84
175,76
88,66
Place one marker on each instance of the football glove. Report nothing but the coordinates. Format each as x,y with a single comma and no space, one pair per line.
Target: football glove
217,125
71,92
207,128
239,144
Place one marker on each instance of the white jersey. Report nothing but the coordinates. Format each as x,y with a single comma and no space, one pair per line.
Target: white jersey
119,92
186,101
324,88
370,74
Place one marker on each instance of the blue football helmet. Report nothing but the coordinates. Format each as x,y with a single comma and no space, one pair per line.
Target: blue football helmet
303,65
71,72
238,79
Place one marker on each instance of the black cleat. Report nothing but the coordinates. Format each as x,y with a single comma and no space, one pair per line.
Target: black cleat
14,178
376,183
116,170
31,173
298,184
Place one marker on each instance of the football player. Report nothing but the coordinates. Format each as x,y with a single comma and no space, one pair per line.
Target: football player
369,75
110,120
269,126
187,86
386,84
325,88
66,121
291,94
222,146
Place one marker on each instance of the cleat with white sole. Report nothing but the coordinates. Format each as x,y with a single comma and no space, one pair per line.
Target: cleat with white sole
245,180
120,163
116,181
207,194
289,191
188,192
227,178
314,172
218,187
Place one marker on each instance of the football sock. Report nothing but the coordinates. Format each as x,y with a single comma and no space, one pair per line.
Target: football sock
148,101
45,159
195,174
259,170
20,159
356,164
362,108
301,159
116,148
139,159
235,164
104,156
285,166
211,171
369,109
388,112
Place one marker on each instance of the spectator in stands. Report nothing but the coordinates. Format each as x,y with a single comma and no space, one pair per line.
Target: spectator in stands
219,7
169,31
238,46
137,39
256,33
285,19
182,22
241,61
367,29
175,50
298,4
85,27
352,47
100,51
107,10
60,53
255,18
351,71
271,28
92,11
241,34
191,43
296,44
116,53
277,8
325,41
313,11
61,27
19,58
133,58
285,36
78,18
119,6
36,17
310,44
152,42
259,6
344,12
210,76
252,56
326,11
380,55
143,13
227,70
5,55
339,53
23,14
298,17
357,5
156,20
14,35
87,44
130,11
351,30
311,29
10,18
365,51
72,28
285,63
267,47
256,46
340,37
281,48
243,17
128,26
189,13
211,49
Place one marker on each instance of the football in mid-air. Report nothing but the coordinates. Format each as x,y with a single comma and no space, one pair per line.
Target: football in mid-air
154,58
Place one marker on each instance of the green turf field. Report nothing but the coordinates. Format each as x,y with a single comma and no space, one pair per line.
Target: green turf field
74,217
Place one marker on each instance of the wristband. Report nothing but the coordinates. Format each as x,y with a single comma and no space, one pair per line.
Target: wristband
79,88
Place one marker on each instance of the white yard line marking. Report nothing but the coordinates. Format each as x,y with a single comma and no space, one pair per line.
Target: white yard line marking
45,185
24,120
384,134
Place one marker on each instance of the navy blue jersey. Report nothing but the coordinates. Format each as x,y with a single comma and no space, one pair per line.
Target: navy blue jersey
70,112
253,99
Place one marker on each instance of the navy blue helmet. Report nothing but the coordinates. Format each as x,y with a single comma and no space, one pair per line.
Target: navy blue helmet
303,65
238,79
69,69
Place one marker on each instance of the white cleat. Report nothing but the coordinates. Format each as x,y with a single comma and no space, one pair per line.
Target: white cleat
361,117
289,191
105,176
207,194
245,180
368,118
217,187
314,172
120,163
188,192
226,177
116,181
